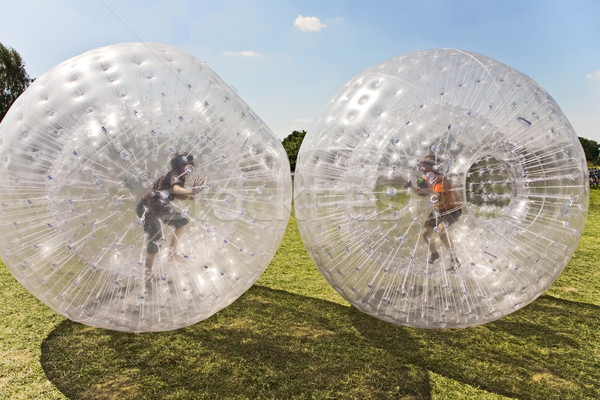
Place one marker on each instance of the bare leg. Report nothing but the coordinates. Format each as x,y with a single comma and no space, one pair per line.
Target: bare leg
175,239
445,238
433,254
173,256
148,265
153,229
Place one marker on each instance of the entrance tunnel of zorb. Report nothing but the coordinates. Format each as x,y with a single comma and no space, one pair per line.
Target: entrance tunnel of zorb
504,148
84,144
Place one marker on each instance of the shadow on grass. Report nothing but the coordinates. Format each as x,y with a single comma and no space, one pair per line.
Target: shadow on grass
549,350
273,344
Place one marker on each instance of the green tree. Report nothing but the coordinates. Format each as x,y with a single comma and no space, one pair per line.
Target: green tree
291,144
590,148
13,78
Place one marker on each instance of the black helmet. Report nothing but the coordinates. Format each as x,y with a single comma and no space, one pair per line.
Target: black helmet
180,160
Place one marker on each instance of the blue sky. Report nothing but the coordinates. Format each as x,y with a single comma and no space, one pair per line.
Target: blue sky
287,58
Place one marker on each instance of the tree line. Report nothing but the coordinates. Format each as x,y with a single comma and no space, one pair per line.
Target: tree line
13,78
591,150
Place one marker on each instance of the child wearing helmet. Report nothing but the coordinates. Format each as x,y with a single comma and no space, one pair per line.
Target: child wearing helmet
447,208
154,208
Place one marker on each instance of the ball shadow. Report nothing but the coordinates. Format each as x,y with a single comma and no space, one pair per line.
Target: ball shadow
274,344
545,350
268,344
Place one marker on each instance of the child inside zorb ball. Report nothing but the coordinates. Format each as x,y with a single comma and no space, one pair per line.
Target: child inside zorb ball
446,211
154,208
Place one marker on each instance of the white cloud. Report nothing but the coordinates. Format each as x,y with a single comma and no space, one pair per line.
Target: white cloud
593,75
308,24
245,53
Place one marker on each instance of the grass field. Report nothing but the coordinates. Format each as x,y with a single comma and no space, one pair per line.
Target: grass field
292,336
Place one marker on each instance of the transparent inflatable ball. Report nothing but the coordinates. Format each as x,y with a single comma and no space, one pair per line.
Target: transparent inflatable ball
138,192
441,189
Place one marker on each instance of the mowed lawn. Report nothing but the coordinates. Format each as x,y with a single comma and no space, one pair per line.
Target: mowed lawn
292,336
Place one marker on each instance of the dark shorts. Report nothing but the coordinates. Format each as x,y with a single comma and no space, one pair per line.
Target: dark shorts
152,224
448,218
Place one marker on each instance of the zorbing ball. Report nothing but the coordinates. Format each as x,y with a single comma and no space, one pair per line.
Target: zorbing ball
441,189
109,155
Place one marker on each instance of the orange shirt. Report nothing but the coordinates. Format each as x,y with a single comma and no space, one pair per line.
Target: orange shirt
448,199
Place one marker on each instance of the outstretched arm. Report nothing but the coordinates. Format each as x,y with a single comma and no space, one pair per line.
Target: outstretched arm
422,189
184,193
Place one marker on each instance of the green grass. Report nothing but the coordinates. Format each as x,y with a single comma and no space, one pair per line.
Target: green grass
390,199
293,337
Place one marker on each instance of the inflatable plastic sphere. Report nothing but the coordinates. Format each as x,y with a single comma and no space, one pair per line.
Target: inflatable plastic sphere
441,189
138,191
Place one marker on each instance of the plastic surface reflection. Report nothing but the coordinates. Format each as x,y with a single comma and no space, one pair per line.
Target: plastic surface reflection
441,189
138,191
